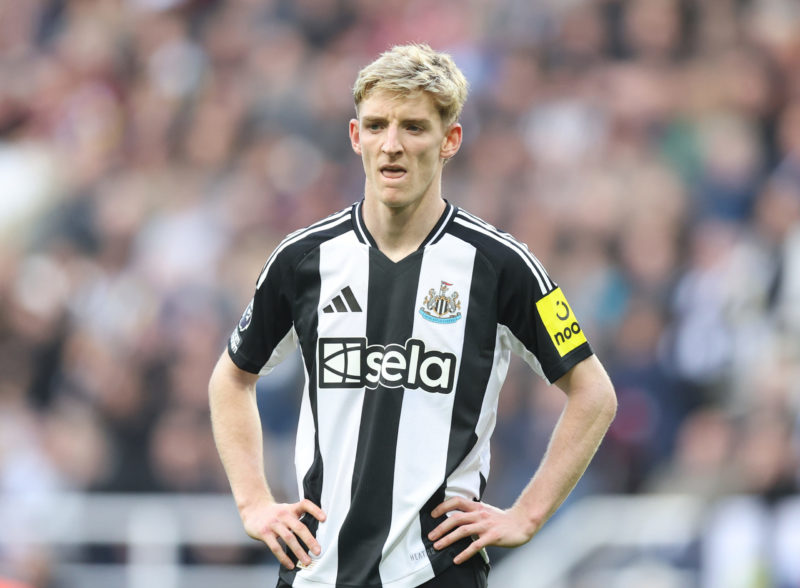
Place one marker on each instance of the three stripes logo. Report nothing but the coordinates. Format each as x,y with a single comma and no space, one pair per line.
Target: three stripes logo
345,301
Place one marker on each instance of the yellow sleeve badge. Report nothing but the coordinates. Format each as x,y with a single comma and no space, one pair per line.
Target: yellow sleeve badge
560,322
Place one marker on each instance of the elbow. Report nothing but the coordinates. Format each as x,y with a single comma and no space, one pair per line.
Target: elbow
605,396
214,380
227,378
609,402
589,385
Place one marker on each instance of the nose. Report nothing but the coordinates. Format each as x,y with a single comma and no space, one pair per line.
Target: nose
391,143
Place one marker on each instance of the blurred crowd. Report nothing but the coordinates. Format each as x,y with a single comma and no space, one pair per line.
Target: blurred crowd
153,152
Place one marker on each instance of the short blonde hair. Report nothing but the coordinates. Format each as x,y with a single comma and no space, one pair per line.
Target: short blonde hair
406,69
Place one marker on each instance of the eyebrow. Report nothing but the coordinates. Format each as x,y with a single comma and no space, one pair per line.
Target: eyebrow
420,122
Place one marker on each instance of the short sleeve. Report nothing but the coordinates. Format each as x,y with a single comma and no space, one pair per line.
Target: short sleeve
264,335
539,323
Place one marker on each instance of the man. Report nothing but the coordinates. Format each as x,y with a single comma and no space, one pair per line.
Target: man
406,310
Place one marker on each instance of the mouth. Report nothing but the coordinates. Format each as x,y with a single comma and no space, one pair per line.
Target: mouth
392,172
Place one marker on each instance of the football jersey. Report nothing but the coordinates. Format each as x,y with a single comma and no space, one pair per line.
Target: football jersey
404,362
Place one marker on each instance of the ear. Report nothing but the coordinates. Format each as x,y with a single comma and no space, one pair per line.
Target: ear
451,142
355,135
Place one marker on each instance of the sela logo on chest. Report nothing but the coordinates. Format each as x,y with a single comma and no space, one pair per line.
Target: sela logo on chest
350,362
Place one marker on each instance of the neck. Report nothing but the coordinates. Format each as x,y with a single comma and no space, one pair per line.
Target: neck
400,231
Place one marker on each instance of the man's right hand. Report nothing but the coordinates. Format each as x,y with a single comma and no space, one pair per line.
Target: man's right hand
273,521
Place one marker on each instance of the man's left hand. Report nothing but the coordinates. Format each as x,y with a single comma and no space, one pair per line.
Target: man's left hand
487,524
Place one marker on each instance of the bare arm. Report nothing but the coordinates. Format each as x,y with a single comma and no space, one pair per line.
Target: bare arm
237,433
591,406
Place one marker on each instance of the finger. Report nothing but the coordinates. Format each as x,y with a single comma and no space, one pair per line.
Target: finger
473,548
291,542
305,536
315,511
278,552
455,503
449,524
456,535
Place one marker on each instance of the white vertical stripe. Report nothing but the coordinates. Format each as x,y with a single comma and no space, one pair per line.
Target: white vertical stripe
282,350
343,262
510,341
422,440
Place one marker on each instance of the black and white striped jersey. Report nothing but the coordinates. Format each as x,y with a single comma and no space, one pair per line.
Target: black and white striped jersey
404,362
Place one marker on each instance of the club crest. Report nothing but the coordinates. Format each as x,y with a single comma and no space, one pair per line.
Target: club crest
442,306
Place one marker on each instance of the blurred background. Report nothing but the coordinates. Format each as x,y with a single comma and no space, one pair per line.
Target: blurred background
153,152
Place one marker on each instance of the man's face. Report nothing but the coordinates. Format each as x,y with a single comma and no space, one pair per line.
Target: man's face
403,144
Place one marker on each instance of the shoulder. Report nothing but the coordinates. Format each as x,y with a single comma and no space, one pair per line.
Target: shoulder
331,226
296,245
508,255
487,238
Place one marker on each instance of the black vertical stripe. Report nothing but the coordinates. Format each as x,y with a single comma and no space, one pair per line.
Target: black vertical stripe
308,285
427,524
390,319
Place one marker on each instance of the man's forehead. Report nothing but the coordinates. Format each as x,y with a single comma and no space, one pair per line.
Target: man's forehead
418,104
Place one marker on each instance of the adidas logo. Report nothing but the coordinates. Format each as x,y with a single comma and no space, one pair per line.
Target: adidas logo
345,301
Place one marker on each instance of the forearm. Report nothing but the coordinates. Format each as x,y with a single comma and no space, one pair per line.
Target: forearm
591,405
590,408
237,433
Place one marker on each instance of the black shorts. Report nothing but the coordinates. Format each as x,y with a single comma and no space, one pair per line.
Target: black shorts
473,573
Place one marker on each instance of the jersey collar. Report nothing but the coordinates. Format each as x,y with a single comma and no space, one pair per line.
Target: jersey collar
436,233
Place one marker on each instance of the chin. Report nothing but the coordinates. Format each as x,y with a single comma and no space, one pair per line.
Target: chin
393,198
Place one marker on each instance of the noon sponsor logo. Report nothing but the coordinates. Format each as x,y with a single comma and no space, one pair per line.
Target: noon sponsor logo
560,322
351,362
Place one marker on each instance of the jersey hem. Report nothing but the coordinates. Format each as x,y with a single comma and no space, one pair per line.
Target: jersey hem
411,580
415,578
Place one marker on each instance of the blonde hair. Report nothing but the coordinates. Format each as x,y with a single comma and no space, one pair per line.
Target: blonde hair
406,69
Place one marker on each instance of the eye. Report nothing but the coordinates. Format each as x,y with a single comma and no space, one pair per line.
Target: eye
414,128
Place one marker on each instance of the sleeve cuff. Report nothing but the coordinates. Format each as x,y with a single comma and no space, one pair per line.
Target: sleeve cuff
569,361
